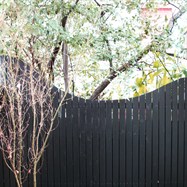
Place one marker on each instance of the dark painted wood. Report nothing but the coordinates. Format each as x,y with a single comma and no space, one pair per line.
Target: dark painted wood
76,142
109,152
122,143
43,171
102,142
95,144
161,143
174,155
82,143
142,142
181,134
115,154
56,149
69,146
129,156
30,127
50,161
148,129
155,180
185,137
168,145
136,126
6,176
1,170
63,143
89,144
136,142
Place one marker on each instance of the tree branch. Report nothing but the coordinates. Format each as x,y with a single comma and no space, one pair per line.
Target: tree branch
172,4
65,64
114,73
57,47
177,56
97,3
127,65
175,17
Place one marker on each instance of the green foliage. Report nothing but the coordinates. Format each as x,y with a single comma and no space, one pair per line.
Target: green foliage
159,74
97,36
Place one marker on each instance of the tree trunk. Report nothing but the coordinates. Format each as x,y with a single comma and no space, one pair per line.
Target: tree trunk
65,65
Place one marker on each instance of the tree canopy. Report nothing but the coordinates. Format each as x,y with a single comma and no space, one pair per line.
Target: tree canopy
97,49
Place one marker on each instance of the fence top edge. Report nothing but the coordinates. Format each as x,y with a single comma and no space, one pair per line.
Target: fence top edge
80,99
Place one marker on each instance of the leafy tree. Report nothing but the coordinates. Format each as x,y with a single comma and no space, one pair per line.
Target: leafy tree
97,41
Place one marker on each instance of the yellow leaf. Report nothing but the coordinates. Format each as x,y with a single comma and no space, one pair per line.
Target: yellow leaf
136,94
151,78
139,81
165,80
157,73
156,64
142,89
157,53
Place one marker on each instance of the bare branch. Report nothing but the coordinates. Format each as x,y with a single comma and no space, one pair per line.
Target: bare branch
175,17
177,56
172,5
97,3
27,113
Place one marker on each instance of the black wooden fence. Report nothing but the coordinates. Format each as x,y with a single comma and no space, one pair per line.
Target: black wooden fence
137,142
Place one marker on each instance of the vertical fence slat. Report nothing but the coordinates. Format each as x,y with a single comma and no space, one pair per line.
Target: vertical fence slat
142,142
89,143
82,143
129,142
148,139
13,181
95,144
1,170
69,142
161,135
181,134
168,136
115,144
29,133
56,144
135,142
185,131
155,140
76,143
50,161
63,151
6,176
122,143
38,176
43,171
108,144
26,148
102,142
174,134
